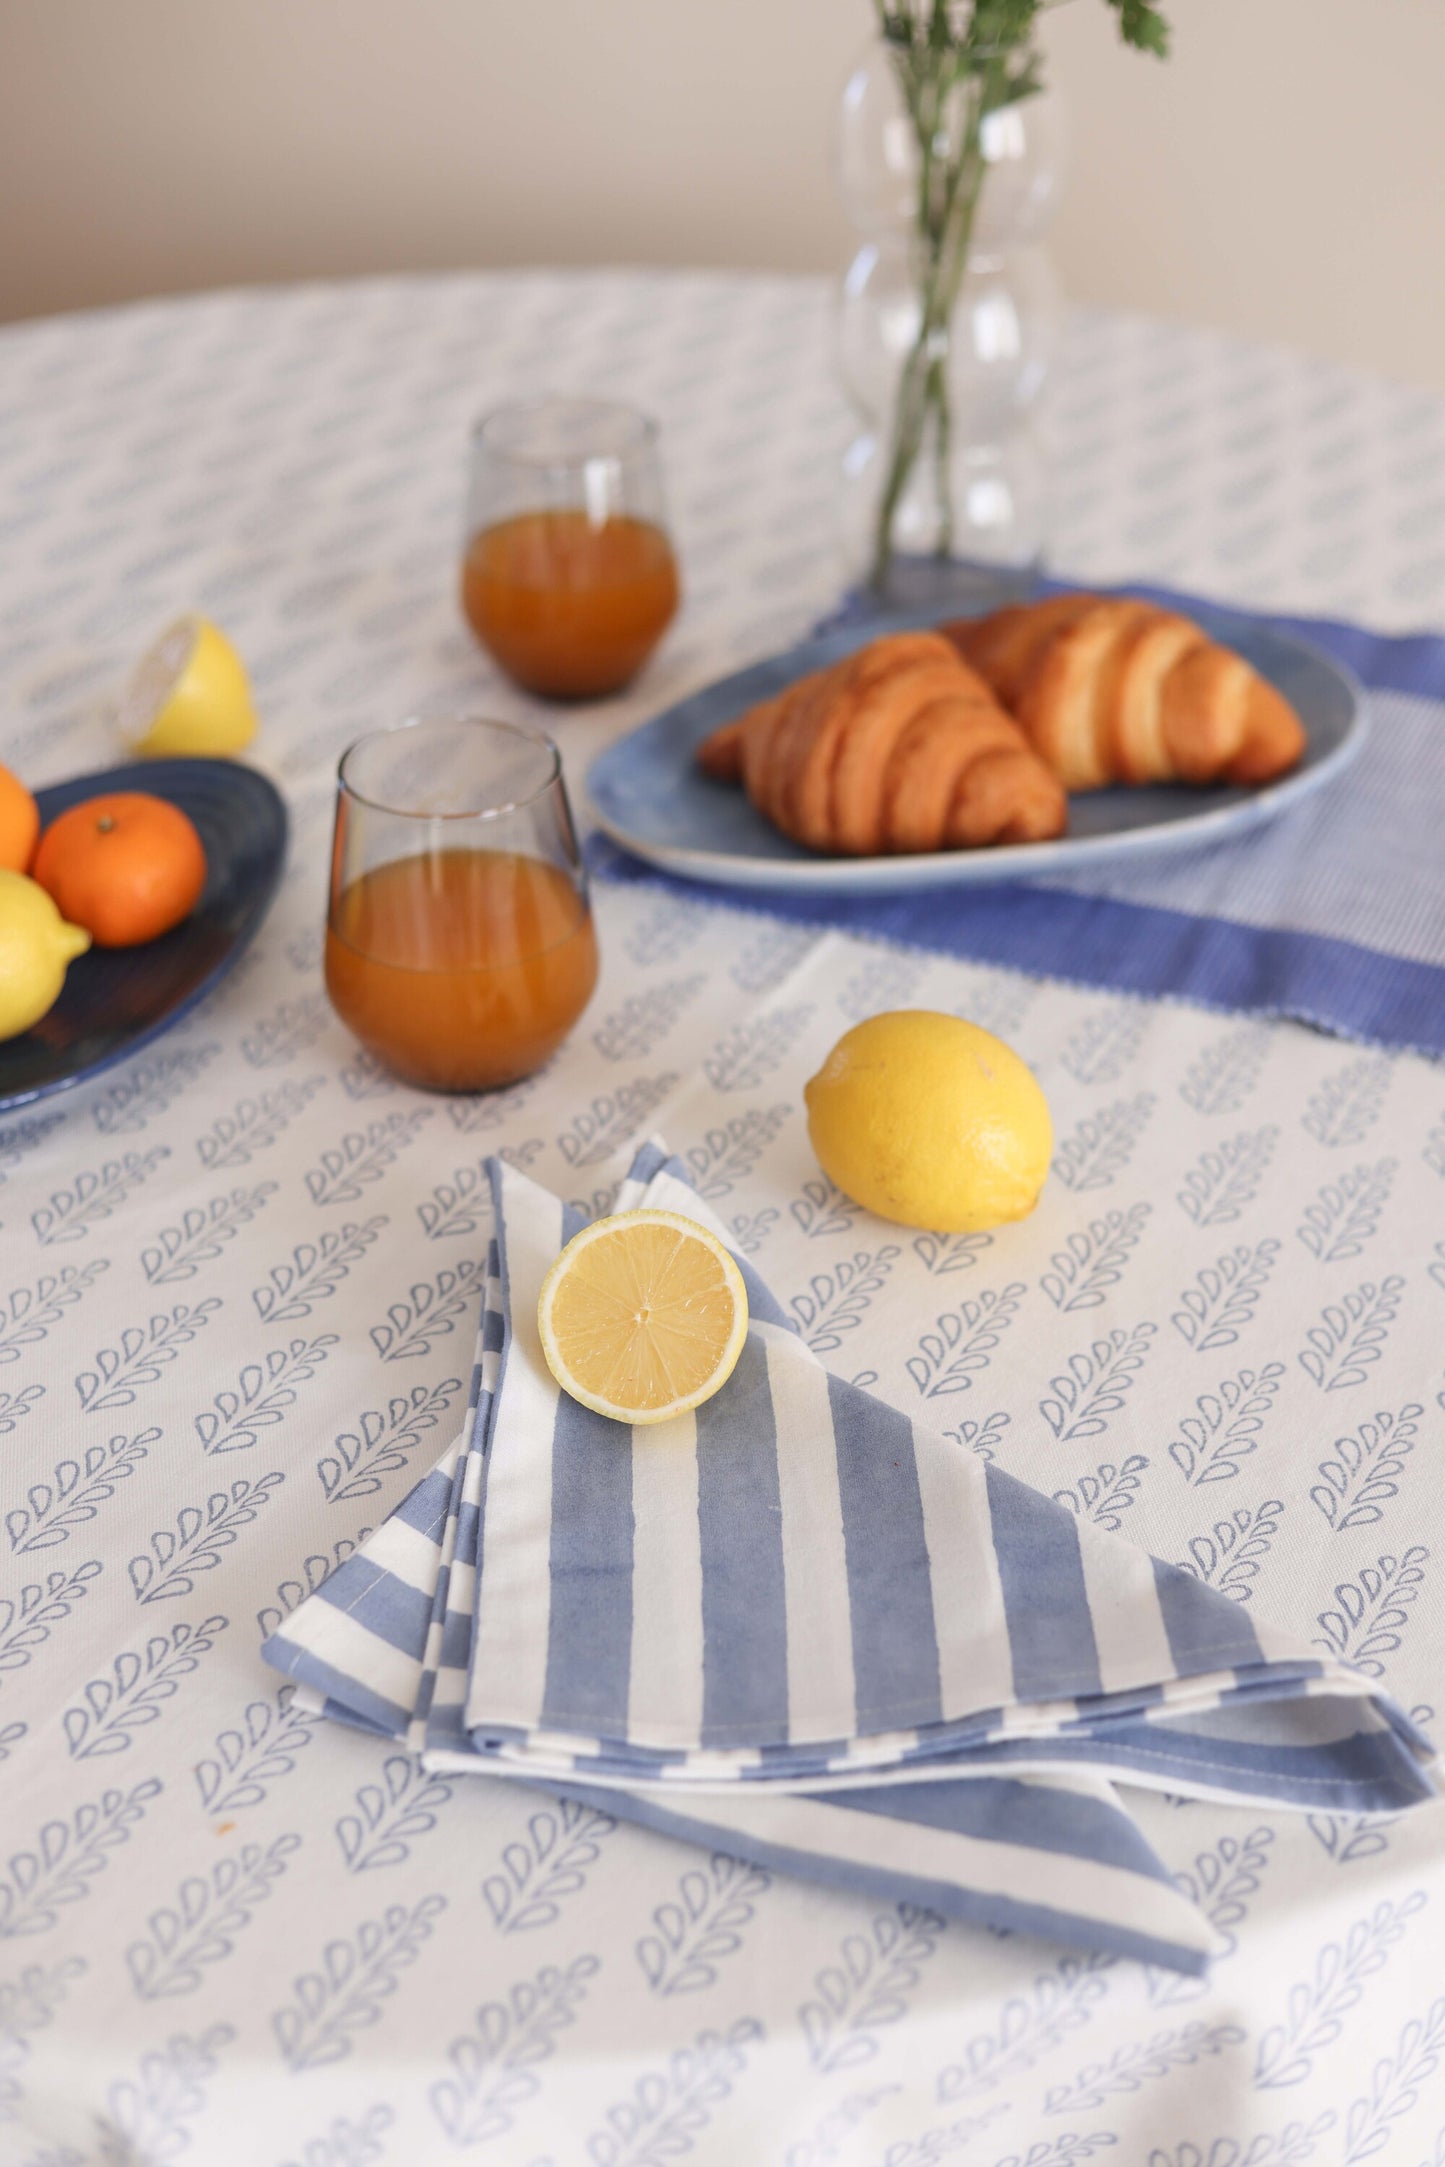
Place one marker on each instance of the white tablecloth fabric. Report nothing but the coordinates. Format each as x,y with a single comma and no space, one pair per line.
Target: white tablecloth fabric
238,1278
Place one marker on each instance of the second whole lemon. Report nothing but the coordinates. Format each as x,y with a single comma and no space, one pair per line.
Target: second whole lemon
930,1121
36,947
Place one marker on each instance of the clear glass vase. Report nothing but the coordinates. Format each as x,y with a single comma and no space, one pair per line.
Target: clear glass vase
958,473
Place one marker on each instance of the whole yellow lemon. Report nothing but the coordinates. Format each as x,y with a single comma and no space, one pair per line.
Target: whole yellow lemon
930,1121
36,944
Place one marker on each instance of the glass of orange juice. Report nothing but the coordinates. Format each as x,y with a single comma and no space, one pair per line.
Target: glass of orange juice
569,579
459,940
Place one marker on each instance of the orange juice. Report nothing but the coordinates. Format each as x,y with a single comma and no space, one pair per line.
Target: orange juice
461,969
570,609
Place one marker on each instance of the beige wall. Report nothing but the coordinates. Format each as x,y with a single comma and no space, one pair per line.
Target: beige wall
1284,175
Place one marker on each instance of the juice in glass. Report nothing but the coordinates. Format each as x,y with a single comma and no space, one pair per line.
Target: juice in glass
569,608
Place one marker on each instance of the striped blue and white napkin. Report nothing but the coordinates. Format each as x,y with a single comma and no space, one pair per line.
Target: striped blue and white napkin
796,1625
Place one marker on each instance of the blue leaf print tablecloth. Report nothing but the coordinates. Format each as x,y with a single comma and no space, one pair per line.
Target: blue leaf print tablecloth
239,1278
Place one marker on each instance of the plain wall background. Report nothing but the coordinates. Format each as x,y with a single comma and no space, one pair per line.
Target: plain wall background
1282,175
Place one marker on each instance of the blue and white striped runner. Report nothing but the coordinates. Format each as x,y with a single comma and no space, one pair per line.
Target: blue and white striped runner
767,1624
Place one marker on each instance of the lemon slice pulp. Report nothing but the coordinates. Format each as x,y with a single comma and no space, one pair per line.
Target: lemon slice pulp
643,1316
189,695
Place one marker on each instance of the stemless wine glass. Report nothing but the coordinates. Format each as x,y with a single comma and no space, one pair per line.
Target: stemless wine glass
569,579
459,940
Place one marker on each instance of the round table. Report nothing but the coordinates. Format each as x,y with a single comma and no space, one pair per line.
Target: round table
239,1276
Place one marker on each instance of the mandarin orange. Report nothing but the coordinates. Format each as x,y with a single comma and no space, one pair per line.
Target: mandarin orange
127,867
19,824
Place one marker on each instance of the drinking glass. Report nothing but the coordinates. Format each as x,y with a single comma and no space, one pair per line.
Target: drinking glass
459,940
569,579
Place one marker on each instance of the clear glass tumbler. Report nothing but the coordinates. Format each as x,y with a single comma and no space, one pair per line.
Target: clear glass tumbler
569,579
459,940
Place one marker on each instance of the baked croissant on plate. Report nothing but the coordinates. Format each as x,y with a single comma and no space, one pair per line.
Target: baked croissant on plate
899,747
1116,691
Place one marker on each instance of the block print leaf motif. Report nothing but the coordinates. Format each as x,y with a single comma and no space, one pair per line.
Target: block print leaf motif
1229,1556
348,2143
1351,1334
1362,1473
494,2066
1103,1045
667,930
1288,2147
493,1109
350,1167
314,1570
1226,1425
262,1394
290,1028
1225,1294
963,1340
178,1252
70,1213
1098,1149
1437,1269
1349,1837
1220,1884
998,1001
1225,1179
459,1205
1064,2151
868,1987
697,1930
1347,1104
631,1032
147,2120
770,957
945,1253
22,1136
201,1534
1317,2007
751,1230
1105,1495
1395,2085
885,981
14,1406
728,1153
356,1975
133,1691
537,1873
1093,1259
10,1737
27,1314
1083,1397
1028,2027
837,2124
1225,1074
148,1087
1434,1151
837,1301
1371,1612
1133,2065
255,1754
200,1927
1346,1213
666,2111
749,1053
314,1270
363,1077
27,2004
391,1814
143,1353
823,1210
28,1619
612,1118
982,1437
429,1312
68,1853
254,1124
383,1440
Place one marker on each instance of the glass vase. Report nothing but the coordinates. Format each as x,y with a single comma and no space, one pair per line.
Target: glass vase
945,362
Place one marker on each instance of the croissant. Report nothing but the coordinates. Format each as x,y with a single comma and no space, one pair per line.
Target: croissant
899,747
1123,692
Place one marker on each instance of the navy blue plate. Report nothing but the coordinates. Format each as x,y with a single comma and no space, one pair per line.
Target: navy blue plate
116,1000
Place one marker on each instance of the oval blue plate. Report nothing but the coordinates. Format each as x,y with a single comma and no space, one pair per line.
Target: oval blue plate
648,795
116,1000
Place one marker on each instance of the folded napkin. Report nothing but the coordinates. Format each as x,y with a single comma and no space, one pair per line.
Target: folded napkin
798,1625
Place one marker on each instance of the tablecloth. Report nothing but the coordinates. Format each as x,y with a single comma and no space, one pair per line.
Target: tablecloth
240,1274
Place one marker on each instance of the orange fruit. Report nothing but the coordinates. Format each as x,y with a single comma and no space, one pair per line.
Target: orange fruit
126,867
19,824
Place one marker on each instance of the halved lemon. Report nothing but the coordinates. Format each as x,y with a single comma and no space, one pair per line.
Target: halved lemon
189,695
643,1316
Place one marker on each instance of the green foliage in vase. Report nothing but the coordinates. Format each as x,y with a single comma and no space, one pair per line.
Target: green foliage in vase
956,65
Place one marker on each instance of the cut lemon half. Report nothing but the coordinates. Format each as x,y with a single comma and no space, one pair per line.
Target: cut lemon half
189,695
643,1316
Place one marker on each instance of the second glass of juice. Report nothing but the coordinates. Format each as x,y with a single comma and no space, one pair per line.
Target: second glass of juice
459,940
569,578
